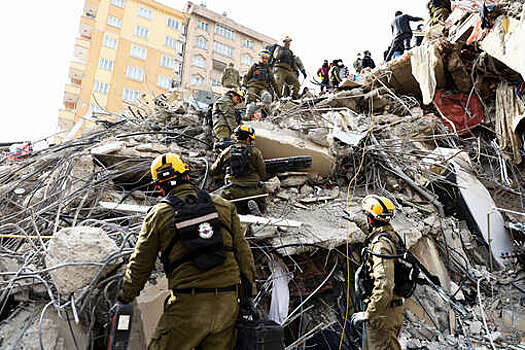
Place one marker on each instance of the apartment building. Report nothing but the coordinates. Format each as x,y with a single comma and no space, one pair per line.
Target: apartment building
214,40
124,48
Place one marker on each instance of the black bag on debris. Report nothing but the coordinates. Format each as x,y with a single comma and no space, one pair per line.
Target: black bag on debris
259,335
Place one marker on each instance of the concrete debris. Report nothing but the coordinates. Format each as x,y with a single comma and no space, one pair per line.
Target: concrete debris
438,130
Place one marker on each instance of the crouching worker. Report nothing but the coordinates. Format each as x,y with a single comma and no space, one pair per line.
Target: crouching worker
204,254
244,166
375,277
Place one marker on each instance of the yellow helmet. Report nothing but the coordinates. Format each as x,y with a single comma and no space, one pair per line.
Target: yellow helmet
380,208
167,167
287,38
237,92
264,53
244,131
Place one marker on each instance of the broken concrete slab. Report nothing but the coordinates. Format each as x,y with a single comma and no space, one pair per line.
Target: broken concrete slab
276,143
76,245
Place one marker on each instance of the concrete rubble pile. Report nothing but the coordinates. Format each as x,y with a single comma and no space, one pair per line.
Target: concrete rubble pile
439,131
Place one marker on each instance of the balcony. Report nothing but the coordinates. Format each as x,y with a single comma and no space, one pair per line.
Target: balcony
86,27
71,93
90,10
80,42
77,70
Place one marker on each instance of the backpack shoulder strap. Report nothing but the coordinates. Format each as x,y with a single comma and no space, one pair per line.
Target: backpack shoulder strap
176,203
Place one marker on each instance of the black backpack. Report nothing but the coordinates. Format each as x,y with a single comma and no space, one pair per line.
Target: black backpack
240,160
406,271
271,49
198,227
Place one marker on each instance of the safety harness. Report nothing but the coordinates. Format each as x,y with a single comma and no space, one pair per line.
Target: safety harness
197,226
240,160
261,72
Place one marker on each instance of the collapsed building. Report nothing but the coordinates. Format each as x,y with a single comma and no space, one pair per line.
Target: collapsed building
440,131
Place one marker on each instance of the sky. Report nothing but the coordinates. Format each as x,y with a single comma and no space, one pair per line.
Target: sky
38,45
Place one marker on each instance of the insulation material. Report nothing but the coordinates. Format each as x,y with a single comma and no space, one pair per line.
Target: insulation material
451,107
509,113
280,293
505,42
427,68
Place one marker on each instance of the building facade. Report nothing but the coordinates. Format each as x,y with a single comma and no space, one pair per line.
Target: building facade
214,40
124,48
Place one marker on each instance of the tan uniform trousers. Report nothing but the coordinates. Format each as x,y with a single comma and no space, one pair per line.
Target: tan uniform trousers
284,76
204,321
383,335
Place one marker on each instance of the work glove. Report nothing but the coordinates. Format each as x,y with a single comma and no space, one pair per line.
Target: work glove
304,74
357,319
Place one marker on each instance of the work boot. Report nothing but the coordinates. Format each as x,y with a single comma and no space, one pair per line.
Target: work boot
254,208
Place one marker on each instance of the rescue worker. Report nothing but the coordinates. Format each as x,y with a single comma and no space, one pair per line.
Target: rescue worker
224,117
401,32
260,81
244,167
384,309
367,61
204,254
284,62
357,64
439,10
334,74
322,73
230,77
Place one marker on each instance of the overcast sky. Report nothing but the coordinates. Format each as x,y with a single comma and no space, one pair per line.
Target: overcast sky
38,37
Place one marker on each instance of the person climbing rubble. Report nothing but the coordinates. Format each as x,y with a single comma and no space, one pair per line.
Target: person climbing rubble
230,77
384,309
297,67
259,82
284,62
322,73
357,64
439,10
334,74
224,117
244,169
204,255
402,32
367,61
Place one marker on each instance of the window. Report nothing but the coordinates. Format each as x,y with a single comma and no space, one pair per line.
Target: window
203,25
118,3
135,73
225,32
101,87
96,108
223,49
173,23
142,32
245,59
201,42
169,62
110,42
173,43
105,64
247,43
114,22
145,12
164,82
130,95
199,61
138,52
196,80
215,82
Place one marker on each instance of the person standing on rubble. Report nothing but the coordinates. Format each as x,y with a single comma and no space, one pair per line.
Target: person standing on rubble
334,74
322,73
384,309
284,62
367,61
402,32
243,165
357,64
230,77
225,118
205,257
297,67
259,81
439,10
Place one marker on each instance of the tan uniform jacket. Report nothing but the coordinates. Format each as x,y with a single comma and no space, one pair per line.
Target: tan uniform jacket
251,81
223,113
230,78
257,167
156,234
